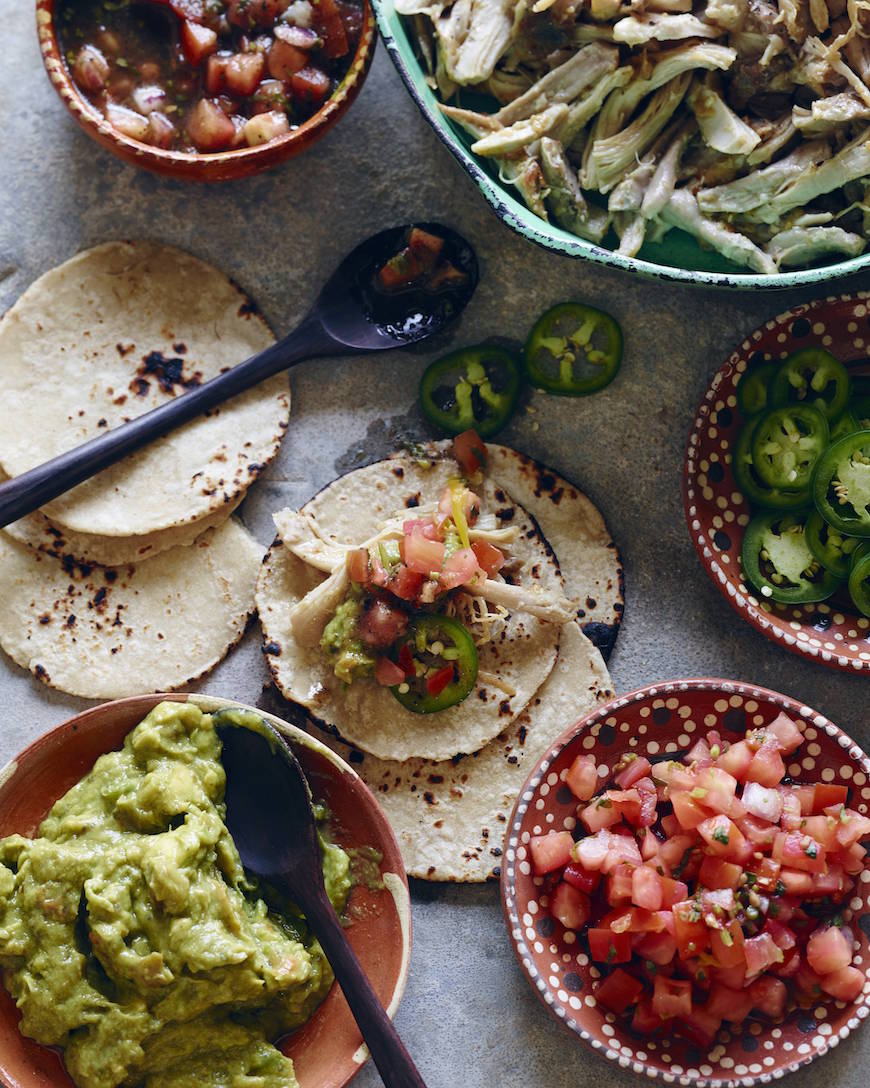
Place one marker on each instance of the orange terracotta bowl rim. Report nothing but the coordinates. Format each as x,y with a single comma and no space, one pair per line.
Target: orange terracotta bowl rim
189,166
327,1050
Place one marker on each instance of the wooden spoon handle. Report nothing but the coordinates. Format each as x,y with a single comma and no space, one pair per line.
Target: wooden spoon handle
387,1050
25,493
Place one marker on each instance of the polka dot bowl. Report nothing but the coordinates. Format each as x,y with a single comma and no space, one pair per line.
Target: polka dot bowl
831,632
659,719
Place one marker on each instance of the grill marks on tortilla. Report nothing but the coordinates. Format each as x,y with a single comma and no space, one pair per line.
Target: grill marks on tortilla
168,372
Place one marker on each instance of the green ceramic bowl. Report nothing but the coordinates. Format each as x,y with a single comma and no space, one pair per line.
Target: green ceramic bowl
678,257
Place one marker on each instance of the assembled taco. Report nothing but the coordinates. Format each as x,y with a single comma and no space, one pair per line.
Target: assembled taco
415,610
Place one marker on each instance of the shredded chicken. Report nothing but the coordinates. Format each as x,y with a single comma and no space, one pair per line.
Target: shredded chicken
612,116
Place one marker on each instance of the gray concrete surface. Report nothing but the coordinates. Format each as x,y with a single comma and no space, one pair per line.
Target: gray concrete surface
468,1016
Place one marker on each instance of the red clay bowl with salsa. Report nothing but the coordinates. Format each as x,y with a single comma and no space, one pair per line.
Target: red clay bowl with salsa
669,744
206,90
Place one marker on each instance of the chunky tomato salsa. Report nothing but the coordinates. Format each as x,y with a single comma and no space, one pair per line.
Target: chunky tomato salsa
207,75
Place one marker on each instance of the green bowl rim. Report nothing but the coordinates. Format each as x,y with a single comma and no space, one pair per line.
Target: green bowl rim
524,222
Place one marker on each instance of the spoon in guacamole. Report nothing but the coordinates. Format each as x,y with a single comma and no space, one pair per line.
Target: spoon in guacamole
270,818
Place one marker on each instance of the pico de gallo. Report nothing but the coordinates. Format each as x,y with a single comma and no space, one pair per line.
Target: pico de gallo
207,75
709,889
409,606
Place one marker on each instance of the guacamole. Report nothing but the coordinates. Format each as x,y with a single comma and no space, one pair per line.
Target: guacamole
131,937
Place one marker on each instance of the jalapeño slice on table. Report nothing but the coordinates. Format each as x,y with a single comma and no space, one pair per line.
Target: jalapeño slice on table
812,376
777,560
753,389
475,388
573,350
841,485
859,584
439,659
832,549
787,443
754,489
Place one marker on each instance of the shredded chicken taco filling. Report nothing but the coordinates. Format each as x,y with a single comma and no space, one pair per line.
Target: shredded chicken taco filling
744,123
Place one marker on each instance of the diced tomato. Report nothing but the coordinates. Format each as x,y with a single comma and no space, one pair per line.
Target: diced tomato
648,803
638,768
460,569
626,919
782,935
700,1026
646,888
823,829
609,808
673,852
826,794
761,952
579,878
716,873
388,673
768,996
805,796
700,751
790,964
726,945
645,1021
829,950
716,905
727,1003
799,851
470,452
660,948
285,60
605,946
688,811
404,583
673,891
310,84
209,127
672,997
243,72
671,826
619,884
734,977
736,759
795,882
197,42
786,732
570,906
550,852
252,13
843,985
758,832
490,558
214,74
421,554
722,836
618,991
766,874
853,826
426,247
380,625
720,788
689,929
328,21
833,883
767,767
582,777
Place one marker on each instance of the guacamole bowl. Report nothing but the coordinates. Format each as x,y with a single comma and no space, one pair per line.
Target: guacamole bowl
677,257
327,1051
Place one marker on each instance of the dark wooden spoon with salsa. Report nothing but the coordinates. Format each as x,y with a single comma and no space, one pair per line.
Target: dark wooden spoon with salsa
396,288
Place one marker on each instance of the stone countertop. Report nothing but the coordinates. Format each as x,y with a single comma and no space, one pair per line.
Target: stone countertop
468,1016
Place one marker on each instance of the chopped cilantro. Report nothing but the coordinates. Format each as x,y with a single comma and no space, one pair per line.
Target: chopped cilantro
721,835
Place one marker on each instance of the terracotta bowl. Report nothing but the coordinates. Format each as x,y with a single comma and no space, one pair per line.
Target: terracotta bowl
328,1050
220,166
831,632
668,717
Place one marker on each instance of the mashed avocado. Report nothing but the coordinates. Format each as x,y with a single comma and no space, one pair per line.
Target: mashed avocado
339,641
131,937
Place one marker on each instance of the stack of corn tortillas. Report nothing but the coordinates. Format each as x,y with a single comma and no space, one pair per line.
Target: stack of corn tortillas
448,781
136,579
